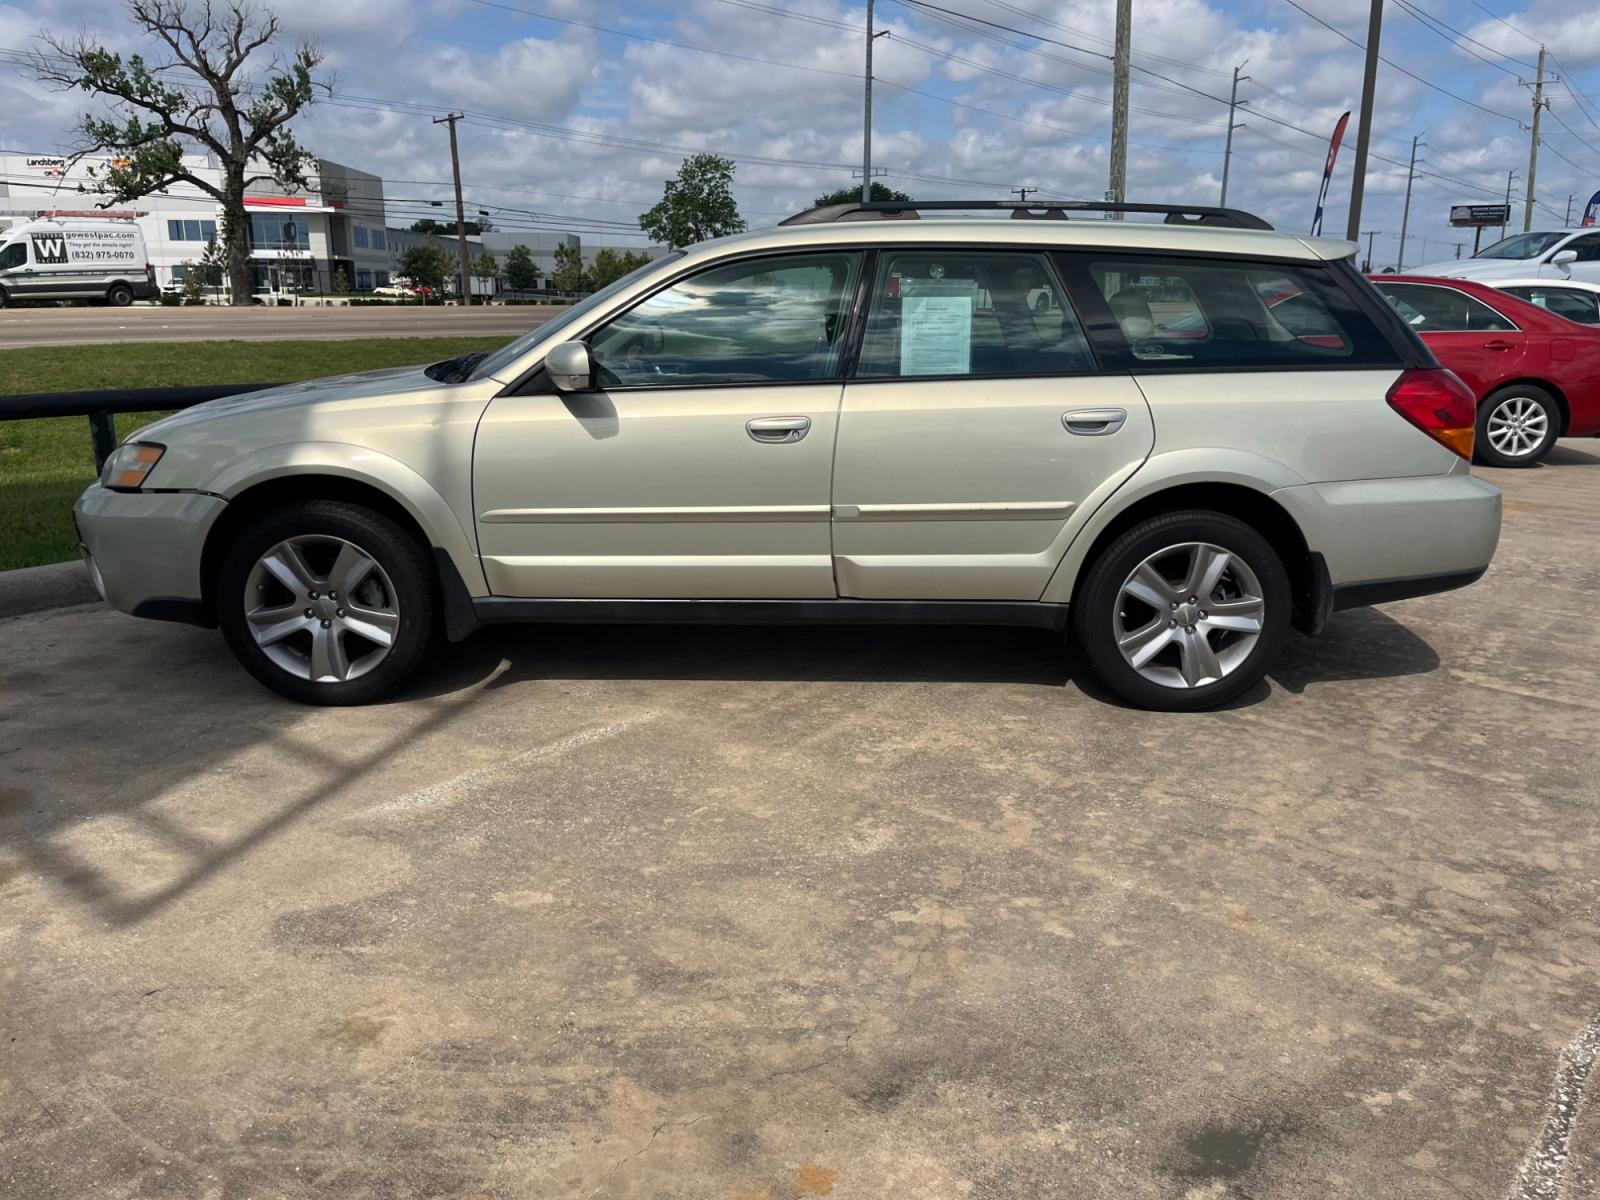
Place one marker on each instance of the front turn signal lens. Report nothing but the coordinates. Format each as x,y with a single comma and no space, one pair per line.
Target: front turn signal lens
131,465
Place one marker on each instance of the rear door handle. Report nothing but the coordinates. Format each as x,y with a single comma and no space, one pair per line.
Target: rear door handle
1497,344
1094,422
778,431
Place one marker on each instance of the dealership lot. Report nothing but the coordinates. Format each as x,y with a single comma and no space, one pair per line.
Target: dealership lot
789,912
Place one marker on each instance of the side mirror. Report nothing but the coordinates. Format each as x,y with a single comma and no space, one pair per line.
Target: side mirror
1562,257
571,367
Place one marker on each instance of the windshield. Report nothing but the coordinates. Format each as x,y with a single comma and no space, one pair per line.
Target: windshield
1523,245
508,354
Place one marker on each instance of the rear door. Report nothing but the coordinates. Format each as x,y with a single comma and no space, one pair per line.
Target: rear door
977,429
1465,334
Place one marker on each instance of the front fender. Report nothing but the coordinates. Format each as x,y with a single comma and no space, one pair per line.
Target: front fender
1161,472
360,464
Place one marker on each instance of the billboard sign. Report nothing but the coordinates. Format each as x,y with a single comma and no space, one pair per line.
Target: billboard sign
1479,216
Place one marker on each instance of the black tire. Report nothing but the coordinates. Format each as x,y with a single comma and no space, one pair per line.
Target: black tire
1100,604
405,570
3,298
119,295
1527,393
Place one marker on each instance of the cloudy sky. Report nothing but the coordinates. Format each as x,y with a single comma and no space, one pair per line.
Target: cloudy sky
577,109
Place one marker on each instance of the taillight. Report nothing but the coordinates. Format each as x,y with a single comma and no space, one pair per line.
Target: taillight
1439,404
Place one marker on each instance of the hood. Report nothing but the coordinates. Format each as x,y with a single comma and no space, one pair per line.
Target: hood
388,382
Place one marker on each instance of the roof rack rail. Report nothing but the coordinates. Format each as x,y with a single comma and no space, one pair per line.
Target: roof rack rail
1025,210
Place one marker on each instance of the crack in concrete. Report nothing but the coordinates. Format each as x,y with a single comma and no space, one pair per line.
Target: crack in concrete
1543,1173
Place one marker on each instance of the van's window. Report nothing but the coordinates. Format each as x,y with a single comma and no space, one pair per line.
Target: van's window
14,255
1178,312
1428,308
1571,303
966,312
768,320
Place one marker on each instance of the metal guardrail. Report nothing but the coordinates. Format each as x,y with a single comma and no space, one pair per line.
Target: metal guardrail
102,406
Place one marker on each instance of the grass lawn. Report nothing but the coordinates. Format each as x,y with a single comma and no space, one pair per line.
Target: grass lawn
45,464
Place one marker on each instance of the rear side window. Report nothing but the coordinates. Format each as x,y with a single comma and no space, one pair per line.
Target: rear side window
1180,313
970,312
1574,305
1428,308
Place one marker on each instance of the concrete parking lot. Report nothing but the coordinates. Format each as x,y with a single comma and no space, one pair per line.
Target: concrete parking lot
784,913
81,326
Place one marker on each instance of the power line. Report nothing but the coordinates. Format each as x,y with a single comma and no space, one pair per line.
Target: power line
1403,70
1483,8
1454,36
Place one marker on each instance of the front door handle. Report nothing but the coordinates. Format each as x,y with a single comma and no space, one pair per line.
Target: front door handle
778,431
1497,344
1094,422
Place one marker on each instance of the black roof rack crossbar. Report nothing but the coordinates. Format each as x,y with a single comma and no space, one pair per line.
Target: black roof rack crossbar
1046,210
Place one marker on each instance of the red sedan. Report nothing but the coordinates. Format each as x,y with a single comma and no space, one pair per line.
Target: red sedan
1536,375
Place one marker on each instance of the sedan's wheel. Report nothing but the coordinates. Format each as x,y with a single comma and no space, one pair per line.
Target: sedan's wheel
1184,611
326,602
1517,426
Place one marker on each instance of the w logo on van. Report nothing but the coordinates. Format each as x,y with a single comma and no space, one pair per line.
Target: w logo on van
49,249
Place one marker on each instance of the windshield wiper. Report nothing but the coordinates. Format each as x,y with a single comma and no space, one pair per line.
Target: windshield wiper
455,370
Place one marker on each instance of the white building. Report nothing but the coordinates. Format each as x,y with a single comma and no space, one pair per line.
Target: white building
302,240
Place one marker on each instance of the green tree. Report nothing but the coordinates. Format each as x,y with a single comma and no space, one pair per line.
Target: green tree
569,275
213,264
697,205
441,229
521,273
202,94
852,195
486,267
194,283
611,265
426,265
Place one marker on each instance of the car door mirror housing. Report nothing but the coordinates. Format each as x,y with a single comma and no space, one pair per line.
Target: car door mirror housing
571,367
1562,257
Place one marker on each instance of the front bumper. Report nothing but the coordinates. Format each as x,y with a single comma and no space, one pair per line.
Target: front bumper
144,549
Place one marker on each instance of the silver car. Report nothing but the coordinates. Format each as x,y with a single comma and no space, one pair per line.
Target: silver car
1208,434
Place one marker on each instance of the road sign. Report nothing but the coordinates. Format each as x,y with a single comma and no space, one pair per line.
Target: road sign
1479,216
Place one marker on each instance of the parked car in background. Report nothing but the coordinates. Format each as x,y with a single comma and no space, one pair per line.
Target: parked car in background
1536,376
1542,254
849,418
1573,299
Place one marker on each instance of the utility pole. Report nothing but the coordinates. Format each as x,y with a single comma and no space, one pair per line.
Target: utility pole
1567,220
461,212
866,124
1510,175
1405,216
1369,86
1022,192
1233,104
1370,234
1119,106
1539,103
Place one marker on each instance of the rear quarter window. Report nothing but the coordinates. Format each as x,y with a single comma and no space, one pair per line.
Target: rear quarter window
1197,313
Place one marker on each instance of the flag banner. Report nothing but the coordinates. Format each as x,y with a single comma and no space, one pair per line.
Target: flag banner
1591,211
1327,173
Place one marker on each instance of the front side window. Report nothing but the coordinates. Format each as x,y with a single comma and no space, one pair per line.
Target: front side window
15,255
1522,245
1430,309
970,312
767,320
1574,305
1213,314
1587,248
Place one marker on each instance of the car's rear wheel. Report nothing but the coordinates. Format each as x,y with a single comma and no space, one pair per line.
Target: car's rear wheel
119,295
327,602
2,297
1184,611
1517,426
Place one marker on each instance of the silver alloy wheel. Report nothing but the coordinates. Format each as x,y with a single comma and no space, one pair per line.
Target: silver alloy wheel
321,608
1517,426
1189,615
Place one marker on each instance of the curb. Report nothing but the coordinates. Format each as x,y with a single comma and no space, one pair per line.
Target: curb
31,589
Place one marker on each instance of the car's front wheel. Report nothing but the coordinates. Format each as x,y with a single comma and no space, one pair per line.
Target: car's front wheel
327,602
1517,426
1184,611
120,295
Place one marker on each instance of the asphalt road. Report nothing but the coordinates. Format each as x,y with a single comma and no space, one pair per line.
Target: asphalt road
899,914
79,326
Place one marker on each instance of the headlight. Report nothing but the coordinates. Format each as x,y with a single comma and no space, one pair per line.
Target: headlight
129,466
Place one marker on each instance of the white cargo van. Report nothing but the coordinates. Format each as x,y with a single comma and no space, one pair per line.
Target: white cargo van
75,260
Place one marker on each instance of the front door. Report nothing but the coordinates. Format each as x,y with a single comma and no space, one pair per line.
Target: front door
976,433
700,465
1587,266
17,276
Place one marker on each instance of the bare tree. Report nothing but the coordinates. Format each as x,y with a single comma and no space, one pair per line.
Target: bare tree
201,97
